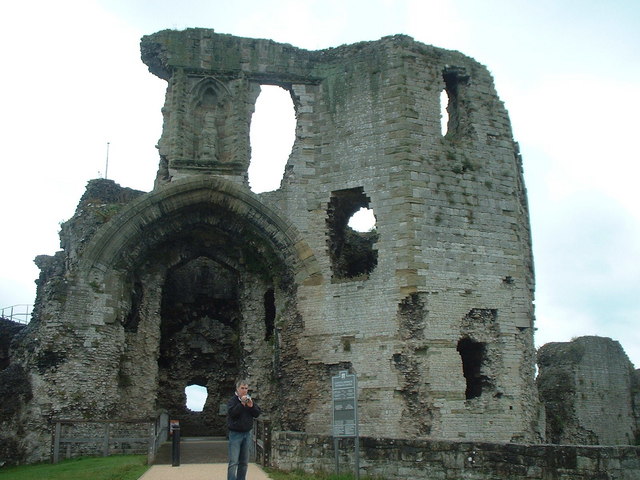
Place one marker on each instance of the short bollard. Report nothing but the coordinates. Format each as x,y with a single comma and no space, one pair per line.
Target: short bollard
175,445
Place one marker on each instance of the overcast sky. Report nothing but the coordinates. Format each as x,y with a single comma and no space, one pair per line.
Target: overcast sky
568,72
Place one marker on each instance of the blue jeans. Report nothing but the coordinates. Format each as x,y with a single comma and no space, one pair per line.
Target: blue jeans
238,455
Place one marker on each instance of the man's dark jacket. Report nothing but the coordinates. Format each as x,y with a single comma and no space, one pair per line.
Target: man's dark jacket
239,417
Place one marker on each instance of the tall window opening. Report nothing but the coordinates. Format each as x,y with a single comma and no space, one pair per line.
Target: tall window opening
273,131
444,114
133,318
351,251
196,397
451,108
473,357
269,313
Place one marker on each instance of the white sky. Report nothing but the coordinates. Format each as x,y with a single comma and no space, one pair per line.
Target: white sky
568,72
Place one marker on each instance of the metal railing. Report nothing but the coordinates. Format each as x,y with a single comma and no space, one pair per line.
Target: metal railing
18,313
262,441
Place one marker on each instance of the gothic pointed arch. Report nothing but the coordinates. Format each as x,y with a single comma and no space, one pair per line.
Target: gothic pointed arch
208,111
207,203
208,84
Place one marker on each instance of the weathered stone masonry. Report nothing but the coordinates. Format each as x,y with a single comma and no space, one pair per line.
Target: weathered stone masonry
401,459
588,387
200,280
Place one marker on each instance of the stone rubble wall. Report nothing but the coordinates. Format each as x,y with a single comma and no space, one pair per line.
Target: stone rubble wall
400,459
589,392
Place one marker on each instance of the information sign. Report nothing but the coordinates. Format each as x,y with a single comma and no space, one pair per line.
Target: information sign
345,406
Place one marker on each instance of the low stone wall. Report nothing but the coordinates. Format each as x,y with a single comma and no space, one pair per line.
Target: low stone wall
395,459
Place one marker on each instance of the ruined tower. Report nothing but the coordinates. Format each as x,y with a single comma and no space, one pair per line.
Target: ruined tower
201,280
587,387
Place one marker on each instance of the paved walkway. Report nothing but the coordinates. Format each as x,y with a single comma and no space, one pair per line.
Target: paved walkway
199,471
203,458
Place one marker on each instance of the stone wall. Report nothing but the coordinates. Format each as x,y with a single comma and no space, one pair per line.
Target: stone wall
9,330
589,391
15,393
400,459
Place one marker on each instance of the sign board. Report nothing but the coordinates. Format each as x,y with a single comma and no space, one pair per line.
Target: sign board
345,405
173,425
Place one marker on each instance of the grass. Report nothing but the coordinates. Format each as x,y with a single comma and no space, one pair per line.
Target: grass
126,467
299,475
116,467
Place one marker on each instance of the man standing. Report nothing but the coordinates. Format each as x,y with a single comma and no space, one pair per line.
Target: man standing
241,410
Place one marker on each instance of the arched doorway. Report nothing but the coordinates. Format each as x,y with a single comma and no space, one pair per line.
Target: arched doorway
200,270
200,331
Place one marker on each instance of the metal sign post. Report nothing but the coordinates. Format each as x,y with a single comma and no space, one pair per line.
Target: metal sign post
345,414
174,431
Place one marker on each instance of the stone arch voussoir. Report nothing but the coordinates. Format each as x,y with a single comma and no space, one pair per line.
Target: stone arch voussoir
111,244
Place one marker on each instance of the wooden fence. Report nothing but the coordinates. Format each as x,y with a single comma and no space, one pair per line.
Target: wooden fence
262,441
77,438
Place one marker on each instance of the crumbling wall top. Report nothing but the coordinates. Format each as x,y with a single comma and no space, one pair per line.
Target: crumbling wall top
200,49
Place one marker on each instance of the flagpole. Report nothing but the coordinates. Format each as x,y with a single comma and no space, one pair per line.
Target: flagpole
106,168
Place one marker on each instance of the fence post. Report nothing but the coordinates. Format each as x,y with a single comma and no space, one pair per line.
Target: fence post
105,445
56,443
267,443
151,451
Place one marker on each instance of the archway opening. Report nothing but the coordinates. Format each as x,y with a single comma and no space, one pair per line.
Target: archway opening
199,343
197,272
196,397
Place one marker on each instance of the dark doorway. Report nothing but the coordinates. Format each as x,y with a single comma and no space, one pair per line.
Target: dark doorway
199,342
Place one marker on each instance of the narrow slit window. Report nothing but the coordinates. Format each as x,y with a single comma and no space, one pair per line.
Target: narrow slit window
452,110
269,313
444,112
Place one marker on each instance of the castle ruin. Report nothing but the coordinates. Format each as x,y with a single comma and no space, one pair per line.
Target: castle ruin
590,391
201,281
